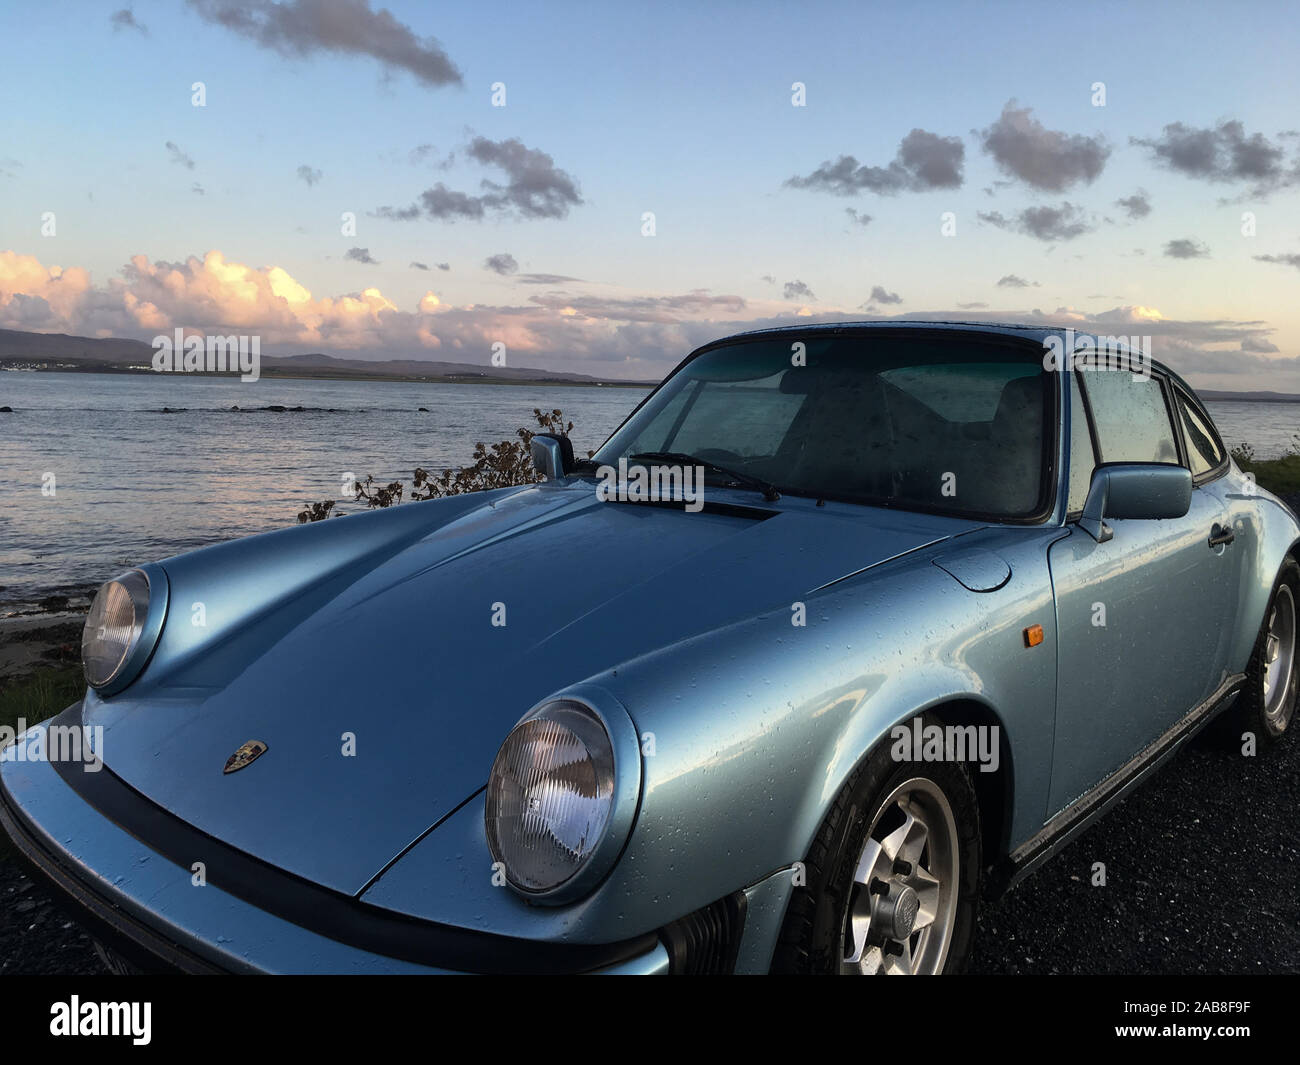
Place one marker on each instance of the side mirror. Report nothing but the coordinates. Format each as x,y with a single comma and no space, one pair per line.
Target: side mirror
552,455
1135,490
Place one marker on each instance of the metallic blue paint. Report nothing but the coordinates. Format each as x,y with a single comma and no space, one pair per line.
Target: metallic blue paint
666,623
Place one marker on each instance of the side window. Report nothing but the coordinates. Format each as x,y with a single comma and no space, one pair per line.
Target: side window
1204,450
1082,459
1131,417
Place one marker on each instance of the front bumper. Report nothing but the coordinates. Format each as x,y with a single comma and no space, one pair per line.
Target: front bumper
147,902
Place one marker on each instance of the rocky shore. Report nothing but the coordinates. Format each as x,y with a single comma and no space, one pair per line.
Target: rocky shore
41,635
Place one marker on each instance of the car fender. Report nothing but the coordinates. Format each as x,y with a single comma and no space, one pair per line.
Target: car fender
1267,532
749,732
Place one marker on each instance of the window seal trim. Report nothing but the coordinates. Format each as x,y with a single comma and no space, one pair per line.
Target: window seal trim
1214,473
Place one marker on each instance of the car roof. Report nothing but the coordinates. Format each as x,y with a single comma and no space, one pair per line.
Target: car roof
1036,333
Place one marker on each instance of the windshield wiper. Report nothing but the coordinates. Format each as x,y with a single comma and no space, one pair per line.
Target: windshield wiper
770,492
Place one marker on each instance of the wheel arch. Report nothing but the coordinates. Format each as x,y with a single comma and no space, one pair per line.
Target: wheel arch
995,791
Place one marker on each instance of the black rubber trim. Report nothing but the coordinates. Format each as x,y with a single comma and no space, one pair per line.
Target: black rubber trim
731,510
292,898
104,921
707,942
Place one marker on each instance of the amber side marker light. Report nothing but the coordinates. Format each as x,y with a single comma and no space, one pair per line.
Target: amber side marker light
1033,635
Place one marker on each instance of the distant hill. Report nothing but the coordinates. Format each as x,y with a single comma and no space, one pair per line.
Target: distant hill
1258,397
58,351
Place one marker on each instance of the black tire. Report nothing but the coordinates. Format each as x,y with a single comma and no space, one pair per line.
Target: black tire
1249,713
812,937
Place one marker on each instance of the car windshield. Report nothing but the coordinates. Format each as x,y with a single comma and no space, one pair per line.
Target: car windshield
955,426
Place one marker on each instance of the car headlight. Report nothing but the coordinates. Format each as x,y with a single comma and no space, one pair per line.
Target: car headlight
115,628
551,797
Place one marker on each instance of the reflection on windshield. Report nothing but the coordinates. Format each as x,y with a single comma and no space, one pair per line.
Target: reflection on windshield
947,425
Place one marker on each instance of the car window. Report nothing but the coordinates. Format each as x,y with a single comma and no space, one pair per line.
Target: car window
1130,415
1082,458
755,415
966,394
954,426
1204,451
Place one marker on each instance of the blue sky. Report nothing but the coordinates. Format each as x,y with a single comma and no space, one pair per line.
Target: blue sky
683,110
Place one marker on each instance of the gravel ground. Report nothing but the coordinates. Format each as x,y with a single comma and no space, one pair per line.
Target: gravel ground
36,936
1201,876
1202,869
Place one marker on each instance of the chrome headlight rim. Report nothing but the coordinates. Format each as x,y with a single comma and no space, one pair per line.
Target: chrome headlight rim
625,744
146,638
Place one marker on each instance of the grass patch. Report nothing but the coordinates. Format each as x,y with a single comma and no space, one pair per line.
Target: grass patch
1279,476
41,695
35,698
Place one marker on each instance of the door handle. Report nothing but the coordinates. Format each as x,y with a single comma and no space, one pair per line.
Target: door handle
1221,534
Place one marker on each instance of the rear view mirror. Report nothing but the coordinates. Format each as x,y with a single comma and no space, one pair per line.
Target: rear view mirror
1151,490
552,455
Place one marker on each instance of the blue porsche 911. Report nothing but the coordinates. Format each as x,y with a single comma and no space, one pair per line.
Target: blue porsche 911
846,628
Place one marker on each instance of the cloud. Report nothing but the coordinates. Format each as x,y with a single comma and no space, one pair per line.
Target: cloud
198,189
1137,206
691,306
361,255
1042,223
797,290
1281,260
349,27
1258,345
534,188
880,295
125,20
1222,154
9,166
768,278
501,264
856,218
1043,158
179,157
545,279
972,306
1015,281
423,153
628,335
925,161
309,175
444,266
1186,249
210,294
419,266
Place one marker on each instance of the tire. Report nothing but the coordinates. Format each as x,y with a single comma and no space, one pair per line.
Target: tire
1266,705
855,841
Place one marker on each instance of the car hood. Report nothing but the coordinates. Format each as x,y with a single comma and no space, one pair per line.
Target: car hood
383,686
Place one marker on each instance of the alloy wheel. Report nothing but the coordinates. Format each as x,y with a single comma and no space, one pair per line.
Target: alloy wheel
903,900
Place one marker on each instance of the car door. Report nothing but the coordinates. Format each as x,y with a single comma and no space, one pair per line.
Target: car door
1142,635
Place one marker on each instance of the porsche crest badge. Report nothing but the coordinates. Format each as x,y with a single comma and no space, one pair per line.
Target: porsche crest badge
249,753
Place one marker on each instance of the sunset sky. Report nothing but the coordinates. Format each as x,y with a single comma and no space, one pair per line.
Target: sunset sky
523,224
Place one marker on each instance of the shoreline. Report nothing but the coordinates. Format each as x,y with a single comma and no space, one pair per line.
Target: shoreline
41,634
276,373
33,643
